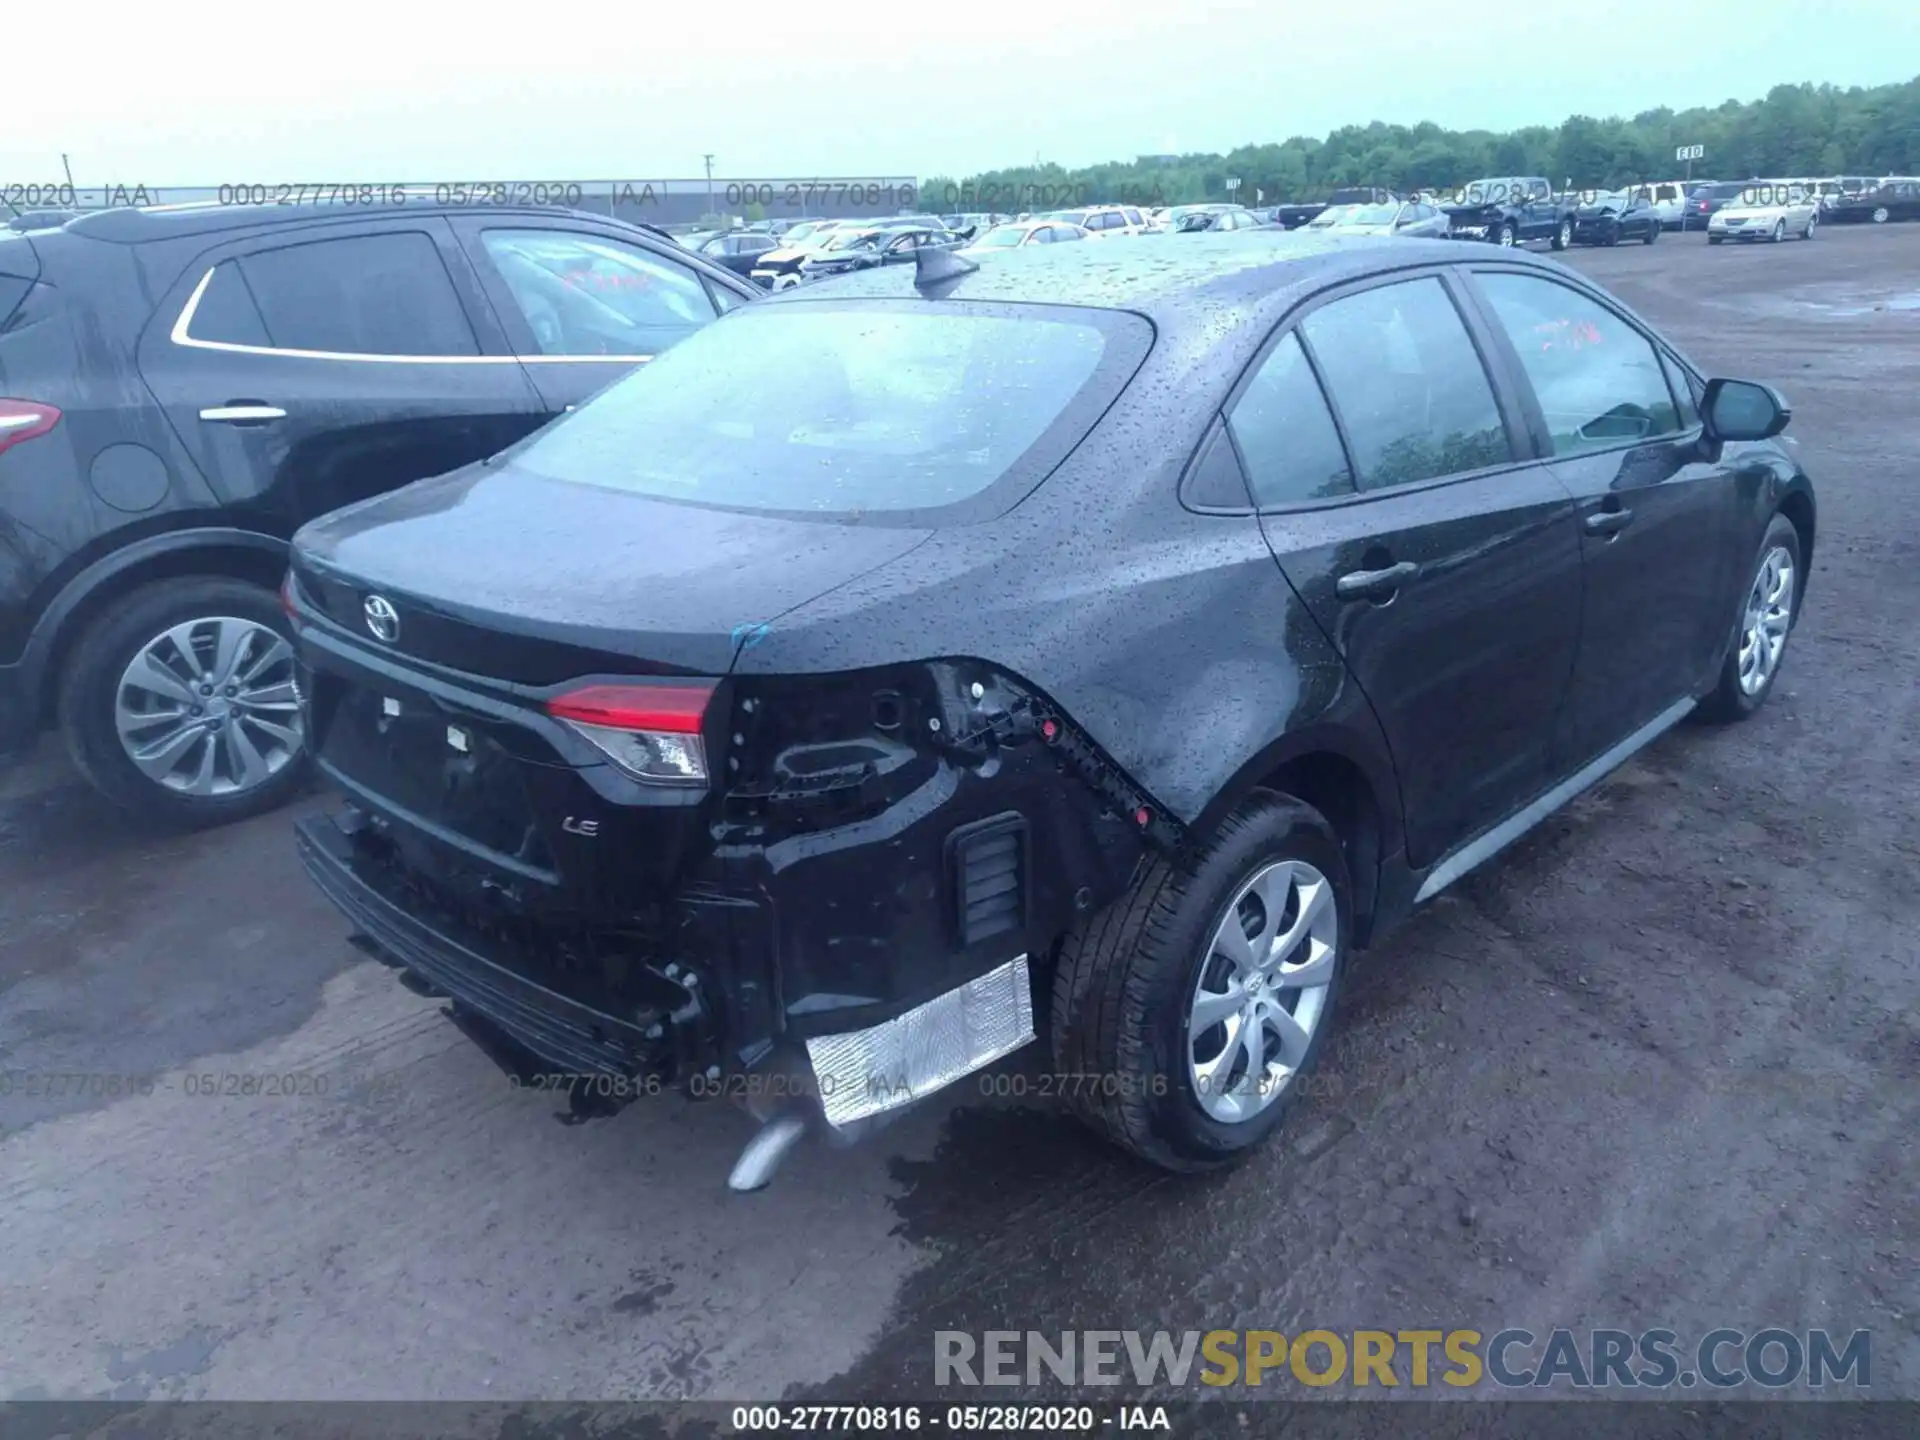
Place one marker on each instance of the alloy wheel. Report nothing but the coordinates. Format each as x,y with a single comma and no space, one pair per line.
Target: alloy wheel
1262,990
1507,236
209,707
1768,617
1779,231
1881,215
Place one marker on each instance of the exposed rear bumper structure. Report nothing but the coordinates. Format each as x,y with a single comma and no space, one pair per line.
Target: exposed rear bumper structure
847,1079
574,1037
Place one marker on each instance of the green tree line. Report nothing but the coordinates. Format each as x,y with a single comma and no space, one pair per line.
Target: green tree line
1797,130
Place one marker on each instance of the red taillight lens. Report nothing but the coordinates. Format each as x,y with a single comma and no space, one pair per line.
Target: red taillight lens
651,731
286,596
676,708
23,420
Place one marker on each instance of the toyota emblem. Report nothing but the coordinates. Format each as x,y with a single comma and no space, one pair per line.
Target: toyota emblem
382,619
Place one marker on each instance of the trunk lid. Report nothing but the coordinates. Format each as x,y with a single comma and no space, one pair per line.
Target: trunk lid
495,571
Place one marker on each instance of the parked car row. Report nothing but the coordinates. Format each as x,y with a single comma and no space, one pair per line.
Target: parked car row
679,655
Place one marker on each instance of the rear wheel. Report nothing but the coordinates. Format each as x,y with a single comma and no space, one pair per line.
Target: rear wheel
1501,234
1198,1001
1715,239
1563,237
178,702
1881,215
1653,233
1779,231
1769,606
1812,220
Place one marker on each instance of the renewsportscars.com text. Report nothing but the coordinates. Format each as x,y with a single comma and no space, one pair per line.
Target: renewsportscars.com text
1513,1358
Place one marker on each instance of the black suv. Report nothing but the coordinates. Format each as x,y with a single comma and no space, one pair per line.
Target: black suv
1099,641
737,250
181,388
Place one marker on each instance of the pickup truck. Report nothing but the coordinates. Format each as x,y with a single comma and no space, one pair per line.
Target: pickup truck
1511,210
1292,217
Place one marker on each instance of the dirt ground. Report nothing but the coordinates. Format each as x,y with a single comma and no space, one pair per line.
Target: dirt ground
1656,1066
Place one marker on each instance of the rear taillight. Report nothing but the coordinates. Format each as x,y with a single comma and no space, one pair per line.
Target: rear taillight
23,420
286,596
650,730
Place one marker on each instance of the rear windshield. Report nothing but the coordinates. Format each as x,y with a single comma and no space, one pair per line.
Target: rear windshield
848,407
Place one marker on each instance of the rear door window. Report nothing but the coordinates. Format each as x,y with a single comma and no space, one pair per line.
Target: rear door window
1285,433
386,294
1408,384
1598,380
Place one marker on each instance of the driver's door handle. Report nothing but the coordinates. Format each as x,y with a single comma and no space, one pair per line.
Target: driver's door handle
1374,584
1608,522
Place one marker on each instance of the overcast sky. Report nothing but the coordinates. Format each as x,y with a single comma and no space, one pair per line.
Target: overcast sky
583,89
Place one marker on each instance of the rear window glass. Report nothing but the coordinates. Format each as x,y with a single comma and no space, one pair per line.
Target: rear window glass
226,312
849,407
384,294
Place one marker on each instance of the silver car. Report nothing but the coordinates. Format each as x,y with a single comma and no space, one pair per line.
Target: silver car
1396,217
1766,210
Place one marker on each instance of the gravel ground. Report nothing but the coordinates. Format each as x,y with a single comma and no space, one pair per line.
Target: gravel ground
1654,1067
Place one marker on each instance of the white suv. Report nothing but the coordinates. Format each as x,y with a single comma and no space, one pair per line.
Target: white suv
1668,199
1100,221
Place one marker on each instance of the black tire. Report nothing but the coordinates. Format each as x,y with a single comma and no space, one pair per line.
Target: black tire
1779,232
1729,700
1715,239
92,676
1881,215
1563,237
1497,235
1653,234
1126,977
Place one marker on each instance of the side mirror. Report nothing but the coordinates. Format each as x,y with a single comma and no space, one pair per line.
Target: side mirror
1743,410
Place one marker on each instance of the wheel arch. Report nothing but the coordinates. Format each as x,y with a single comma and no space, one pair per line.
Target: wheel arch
1351,785
1797,506
218,551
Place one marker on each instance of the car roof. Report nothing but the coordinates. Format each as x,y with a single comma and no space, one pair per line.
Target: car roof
1252,274
137,225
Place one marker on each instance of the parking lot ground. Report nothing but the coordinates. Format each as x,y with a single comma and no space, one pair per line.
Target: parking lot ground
1656,1066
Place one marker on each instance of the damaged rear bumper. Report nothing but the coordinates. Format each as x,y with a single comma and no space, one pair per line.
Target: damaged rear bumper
577,1038
846,1077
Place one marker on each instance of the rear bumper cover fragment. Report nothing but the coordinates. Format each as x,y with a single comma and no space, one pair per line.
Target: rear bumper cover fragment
866,1072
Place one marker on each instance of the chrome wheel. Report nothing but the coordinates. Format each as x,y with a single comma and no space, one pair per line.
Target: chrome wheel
1262,990
208,707
1507,236
1779,231
1768,616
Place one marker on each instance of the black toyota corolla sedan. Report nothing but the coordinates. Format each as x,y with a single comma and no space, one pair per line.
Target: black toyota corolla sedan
1101,644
